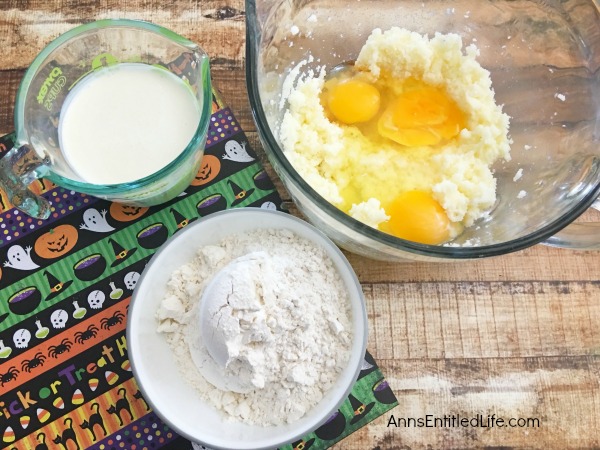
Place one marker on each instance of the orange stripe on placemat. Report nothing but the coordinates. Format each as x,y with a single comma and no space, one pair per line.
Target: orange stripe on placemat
48,349
84,412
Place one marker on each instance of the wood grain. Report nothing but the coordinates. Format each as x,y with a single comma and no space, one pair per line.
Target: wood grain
516,336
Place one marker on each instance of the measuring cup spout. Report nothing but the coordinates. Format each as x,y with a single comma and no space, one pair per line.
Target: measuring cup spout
18,168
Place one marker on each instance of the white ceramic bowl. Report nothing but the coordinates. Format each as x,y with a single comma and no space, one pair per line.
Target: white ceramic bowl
154,365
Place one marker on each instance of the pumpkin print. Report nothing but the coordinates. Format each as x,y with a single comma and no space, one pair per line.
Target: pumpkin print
41,186
126,213
209,169
4,203
37,187
56,242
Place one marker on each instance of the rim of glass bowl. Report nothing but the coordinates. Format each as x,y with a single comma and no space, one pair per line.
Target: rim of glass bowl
201,130
275,152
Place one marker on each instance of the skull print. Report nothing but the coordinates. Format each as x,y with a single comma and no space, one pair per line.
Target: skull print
96,299
131,280
21,338
269,205
199,447
59,318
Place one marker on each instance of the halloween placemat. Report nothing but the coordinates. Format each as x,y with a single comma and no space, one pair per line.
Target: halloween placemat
65,285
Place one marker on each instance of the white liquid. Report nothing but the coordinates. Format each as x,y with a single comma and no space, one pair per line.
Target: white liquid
126,122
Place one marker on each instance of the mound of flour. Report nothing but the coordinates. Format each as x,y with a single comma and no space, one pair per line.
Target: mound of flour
288,326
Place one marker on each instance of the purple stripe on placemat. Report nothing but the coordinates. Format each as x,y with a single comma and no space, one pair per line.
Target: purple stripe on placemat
147,432
14,224
223,125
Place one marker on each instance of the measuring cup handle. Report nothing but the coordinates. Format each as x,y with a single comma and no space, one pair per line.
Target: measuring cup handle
578,236
19,166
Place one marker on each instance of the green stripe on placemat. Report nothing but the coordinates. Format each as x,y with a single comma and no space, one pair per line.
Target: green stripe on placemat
63,268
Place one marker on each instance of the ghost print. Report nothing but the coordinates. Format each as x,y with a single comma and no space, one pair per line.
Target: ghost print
236,151
20,258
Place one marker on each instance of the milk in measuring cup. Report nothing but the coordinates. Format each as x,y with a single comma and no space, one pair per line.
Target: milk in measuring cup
125,122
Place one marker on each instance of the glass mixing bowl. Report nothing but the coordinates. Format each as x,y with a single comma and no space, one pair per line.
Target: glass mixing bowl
544,60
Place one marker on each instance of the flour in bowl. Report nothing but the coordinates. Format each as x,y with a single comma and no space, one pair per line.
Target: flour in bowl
283,331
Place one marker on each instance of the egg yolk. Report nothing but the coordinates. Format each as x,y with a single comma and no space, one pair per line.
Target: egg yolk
412,114
422,116
417,216
352,100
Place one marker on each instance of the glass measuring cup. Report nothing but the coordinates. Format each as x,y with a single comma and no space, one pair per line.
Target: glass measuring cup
543,58
63,64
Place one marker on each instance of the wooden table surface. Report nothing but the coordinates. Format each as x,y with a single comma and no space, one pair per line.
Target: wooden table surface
516,336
